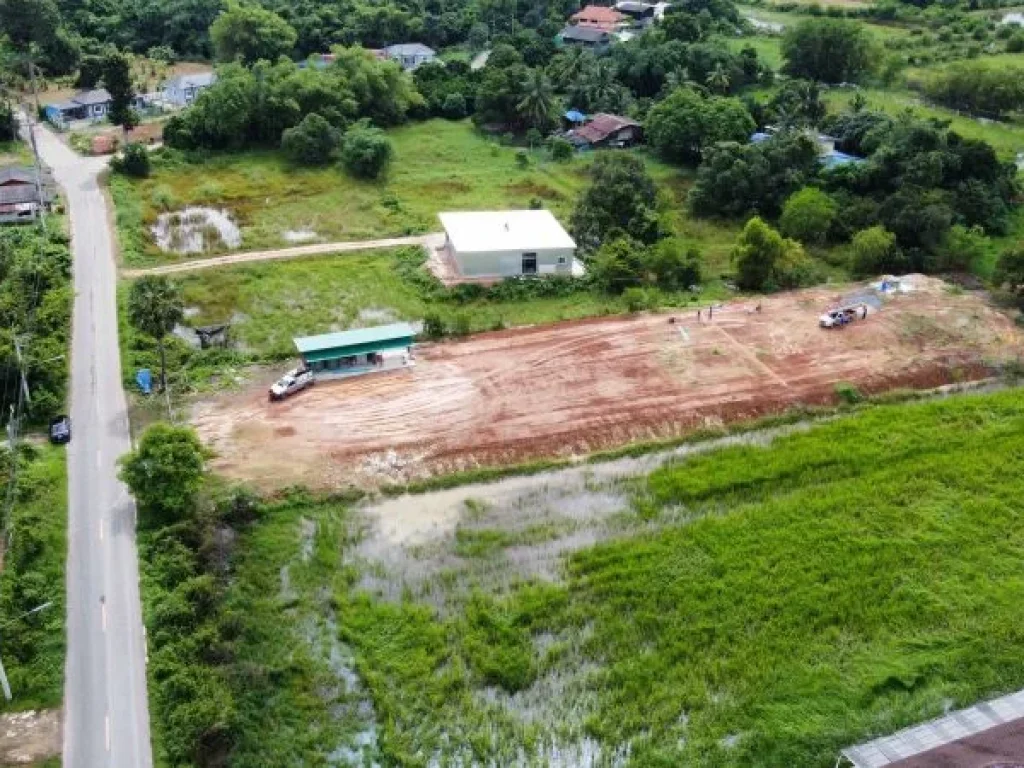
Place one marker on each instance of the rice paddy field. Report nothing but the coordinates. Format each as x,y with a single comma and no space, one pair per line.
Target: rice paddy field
763,600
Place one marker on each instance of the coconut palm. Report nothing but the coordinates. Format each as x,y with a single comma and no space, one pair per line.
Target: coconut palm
536,106
603,91
568,66
718,79
155,307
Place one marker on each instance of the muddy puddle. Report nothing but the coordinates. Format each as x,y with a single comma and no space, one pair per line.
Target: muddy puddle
196,230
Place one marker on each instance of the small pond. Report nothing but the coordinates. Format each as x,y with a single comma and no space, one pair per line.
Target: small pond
196,230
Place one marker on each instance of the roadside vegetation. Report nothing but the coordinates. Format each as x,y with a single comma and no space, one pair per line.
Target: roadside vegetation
785,600
35,305
33,575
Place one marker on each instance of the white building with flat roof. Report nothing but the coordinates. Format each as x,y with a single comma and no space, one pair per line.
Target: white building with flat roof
496,244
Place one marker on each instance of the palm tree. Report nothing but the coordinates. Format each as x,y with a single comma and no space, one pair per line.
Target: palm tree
603,91
537,104
680,78
718,79
154,308
567,67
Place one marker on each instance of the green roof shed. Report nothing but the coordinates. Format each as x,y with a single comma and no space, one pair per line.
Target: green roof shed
360,341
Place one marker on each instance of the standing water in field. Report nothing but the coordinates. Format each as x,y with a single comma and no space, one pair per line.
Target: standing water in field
196,230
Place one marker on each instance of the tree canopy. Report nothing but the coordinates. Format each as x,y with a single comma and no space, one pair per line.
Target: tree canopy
827,50
980,87
165,473
765,260
249,33
807,216
684,124
366,150
621,200
312,142
154,307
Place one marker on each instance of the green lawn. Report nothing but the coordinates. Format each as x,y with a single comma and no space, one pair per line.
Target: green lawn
768,47
33,573
754,606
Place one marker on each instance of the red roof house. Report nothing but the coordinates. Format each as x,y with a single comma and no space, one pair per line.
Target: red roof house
599,17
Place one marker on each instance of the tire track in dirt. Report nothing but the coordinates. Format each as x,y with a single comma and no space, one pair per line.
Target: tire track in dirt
574,387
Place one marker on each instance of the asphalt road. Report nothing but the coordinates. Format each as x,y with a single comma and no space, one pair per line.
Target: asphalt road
106,711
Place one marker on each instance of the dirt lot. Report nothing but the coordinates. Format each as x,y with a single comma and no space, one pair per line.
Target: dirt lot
574,387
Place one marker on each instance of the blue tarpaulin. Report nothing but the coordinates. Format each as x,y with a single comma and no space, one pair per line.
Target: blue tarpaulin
145,381
575,116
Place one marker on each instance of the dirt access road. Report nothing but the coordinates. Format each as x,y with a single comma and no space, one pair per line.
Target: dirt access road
574,387
295,252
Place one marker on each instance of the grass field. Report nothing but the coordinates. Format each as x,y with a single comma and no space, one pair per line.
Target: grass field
274,302
438,165
761,605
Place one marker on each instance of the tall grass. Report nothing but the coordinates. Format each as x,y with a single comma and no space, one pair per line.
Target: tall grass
33,574
757,607
842,583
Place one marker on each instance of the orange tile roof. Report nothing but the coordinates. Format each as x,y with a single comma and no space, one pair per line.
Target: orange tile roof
598,16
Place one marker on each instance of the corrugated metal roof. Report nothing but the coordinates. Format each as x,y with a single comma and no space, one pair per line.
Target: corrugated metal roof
602,126
409,49
95,96
584,34
355,337
936,733
195,80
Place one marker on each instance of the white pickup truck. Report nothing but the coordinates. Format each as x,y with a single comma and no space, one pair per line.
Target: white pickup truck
294,381
837,318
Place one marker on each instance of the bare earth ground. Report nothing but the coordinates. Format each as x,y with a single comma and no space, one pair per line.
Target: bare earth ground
27,737
572,388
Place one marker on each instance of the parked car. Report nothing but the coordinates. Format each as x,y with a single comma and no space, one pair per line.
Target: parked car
60,430
294,381
837,318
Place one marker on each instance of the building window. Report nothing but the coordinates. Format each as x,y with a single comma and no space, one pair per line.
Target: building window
561,259
529,263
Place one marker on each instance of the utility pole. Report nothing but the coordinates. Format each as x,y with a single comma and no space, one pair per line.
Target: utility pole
35,149
13,428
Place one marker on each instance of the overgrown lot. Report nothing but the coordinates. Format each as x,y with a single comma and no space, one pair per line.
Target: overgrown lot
761,605
438,165
33,574
270,303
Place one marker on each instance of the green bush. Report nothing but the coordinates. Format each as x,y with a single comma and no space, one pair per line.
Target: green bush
133,161
848,393
522,159
311,142
366,151
561,150
454,107
808,215
433,326
635,299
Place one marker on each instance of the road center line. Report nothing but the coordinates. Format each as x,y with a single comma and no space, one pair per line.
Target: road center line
106,731
99,459
101,530
103,612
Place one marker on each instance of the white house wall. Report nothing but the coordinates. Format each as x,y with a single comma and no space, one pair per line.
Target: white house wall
508,263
